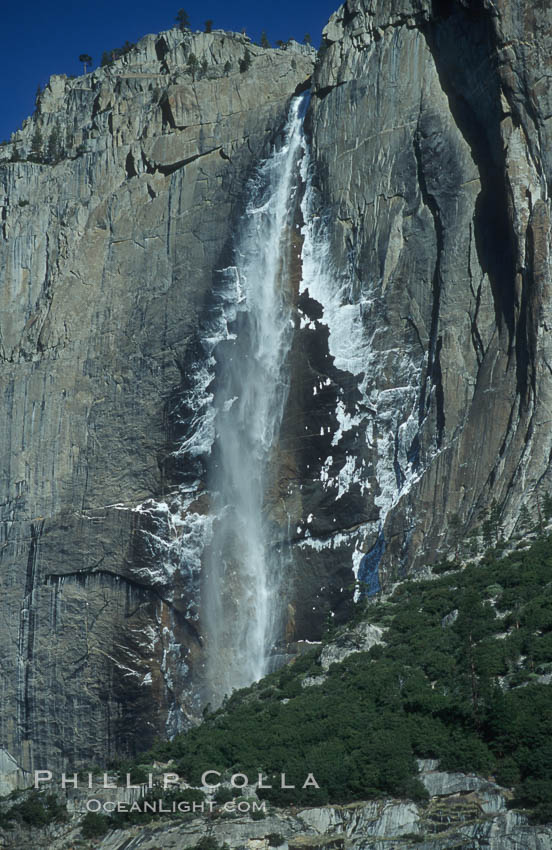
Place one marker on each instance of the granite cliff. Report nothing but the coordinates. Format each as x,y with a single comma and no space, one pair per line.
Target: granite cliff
464,811
438,210
107,258
419,376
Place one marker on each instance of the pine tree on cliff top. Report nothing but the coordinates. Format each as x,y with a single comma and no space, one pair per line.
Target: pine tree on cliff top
183,20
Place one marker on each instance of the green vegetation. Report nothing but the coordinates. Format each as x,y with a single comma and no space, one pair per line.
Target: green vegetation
86,60
209,25
45,154
94,825
138,773
120,820
109,56
54,148
37,142
193,65
264,40
257,814
492,527
444,685
524,523
183,20
209,842
224,794
35,809
245,63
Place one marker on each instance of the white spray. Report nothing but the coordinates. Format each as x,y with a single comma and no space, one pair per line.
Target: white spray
242,570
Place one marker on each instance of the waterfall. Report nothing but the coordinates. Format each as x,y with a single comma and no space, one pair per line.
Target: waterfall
242,568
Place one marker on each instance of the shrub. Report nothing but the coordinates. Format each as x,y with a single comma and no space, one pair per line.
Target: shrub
507,773
245,63
193,64
444,567
257,814
37,810
224,794
209,842
94,825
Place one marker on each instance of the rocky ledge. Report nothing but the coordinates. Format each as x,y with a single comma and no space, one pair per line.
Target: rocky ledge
463,811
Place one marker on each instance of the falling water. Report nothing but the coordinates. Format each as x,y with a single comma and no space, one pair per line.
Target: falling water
242,571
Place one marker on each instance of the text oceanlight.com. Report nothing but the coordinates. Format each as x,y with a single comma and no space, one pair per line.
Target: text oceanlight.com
174,806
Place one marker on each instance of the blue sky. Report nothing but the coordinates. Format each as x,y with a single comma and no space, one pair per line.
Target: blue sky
40,39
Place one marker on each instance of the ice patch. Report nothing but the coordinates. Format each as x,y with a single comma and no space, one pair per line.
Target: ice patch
388,416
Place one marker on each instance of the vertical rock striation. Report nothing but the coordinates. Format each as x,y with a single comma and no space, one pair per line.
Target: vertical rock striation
430,201
107,255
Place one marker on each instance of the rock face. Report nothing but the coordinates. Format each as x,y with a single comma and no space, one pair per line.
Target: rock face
431,150
463,811
419,377
106,259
